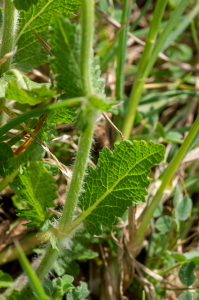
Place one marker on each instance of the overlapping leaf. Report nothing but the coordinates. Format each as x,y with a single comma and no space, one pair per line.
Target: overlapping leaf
30,52
35,186
119,181
33,97
65,46
22,80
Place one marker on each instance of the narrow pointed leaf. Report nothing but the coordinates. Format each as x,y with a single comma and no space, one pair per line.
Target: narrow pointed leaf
119,181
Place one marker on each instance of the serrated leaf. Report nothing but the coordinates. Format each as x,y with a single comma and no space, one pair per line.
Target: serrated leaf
66,46
186,273
22,80
5,280
63,115
5,153
163,224
183,210
24,4
30,52
33,97
119,181
35,187
185,296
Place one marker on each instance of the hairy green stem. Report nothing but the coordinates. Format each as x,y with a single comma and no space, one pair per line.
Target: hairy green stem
85,140
9,20
166,180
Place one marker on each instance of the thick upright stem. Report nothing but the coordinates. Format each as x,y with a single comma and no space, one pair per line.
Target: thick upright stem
167,178
10,15
86,137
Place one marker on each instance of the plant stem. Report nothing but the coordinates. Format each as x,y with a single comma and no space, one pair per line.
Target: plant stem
166,180
121,57
86,137
79,170
139,79
9,20
87,10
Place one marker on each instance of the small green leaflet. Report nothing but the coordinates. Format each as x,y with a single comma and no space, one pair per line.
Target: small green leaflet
30,52
24,4
5,280
57,288
119,181
35,186
33,97
23,81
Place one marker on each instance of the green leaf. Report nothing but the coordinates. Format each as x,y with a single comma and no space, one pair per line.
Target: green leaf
163,224
185,296
35,187
184,208
177,256
51,168
186,273
23,295
158,211
5,153
80,293
63,115
30,52
57,288
23,81
193,256
5,280
33,97
65,46
119,181
24,4
161,130
66,261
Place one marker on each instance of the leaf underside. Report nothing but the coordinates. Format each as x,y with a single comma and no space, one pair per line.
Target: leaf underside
35,186
119,181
